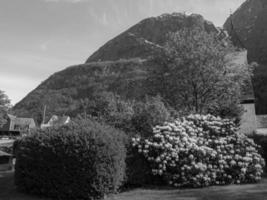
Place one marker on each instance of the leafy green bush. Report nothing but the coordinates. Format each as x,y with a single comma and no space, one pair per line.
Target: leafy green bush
261,140
83,160
133,117
200,151
148,114
138,169
130,116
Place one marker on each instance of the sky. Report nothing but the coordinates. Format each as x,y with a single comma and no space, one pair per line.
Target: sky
41,37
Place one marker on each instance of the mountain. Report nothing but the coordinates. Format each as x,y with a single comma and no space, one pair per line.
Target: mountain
120,66
248,29
141,40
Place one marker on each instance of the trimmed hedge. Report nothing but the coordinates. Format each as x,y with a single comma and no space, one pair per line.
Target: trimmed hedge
83,160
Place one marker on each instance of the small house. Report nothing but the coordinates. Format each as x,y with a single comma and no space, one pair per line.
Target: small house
15,125
56,121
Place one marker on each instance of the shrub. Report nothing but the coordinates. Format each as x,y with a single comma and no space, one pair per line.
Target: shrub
261,140
201,150
138,169
83,160
148,114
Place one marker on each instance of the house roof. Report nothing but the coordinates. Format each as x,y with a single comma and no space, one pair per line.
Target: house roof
21,122
11,116
62,120
24,121
56,121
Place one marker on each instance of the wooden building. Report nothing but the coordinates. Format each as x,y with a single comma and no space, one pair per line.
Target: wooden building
15,125
56,121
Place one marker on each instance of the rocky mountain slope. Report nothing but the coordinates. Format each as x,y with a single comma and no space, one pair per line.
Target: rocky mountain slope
141,40
248,29
250,25
120,66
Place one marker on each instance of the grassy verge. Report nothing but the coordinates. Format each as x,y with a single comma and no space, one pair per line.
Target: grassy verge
233,192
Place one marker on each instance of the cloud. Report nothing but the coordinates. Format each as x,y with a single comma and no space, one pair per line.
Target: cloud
44,46
67,1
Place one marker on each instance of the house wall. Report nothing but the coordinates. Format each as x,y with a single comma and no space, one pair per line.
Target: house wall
248,119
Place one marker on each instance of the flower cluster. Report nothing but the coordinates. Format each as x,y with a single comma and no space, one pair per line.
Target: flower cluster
201,150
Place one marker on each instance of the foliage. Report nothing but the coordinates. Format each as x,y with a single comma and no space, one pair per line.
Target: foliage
260,81
83,160
261,140
133,117
110,108
138,169
201,150
66,92
148,114
195,75
4,106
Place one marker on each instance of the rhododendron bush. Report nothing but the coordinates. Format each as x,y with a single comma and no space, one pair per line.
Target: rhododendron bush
201,150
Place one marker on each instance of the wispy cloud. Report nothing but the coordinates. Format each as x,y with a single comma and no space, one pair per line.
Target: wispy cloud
44,46
67,1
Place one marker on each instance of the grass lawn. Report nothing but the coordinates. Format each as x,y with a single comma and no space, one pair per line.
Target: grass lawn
231,192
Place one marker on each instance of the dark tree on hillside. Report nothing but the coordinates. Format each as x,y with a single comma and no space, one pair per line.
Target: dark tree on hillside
194,75
4,106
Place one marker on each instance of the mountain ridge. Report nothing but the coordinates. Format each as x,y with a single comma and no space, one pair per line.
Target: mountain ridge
120,66
248,24
154,30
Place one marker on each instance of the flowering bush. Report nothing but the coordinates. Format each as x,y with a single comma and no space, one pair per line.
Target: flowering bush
201,150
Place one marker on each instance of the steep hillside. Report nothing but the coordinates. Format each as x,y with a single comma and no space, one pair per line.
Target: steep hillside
248,29
250,25
148,36
62,92
120,66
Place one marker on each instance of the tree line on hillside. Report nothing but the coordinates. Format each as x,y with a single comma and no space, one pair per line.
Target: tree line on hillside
4,107
190,75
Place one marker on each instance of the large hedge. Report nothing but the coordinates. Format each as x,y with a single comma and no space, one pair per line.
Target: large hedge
83,160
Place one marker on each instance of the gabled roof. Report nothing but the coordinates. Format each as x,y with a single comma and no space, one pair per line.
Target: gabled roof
24,121
11,116
16,122
56,121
